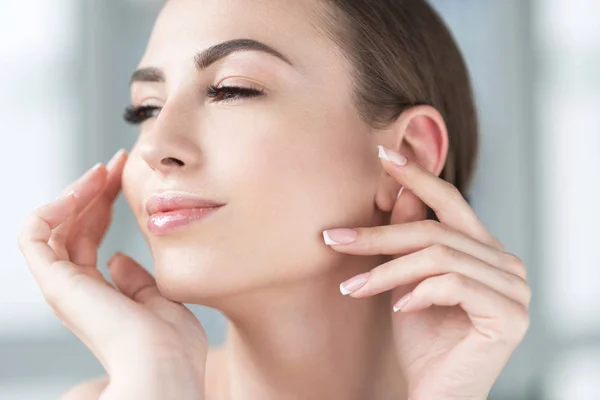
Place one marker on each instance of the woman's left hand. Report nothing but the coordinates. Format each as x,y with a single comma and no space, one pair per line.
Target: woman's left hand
468,307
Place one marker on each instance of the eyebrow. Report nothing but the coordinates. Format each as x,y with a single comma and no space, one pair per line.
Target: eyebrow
210,56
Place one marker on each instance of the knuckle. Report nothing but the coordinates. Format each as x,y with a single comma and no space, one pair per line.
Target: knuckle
453,191
429,224
527,294
516,265
370,235
445,286
442,252
520,324
456,280
438,251
515,326
51,293
522,288
145,291
62,288
60,236
434,227
514,280
33,226
26,227
495,242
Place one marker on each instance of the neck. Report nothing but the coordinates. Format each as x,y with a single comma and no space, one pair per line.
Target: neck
309,341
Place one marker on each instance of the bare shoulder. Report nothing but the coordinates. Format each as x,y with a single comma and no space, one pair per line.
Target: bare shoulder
88,390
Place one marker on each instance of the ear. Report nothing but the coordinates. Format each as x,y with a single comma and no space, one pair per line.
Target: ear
420,134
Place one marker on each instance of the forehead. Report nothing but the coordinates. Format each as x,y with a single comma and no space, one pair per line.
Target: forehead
186,27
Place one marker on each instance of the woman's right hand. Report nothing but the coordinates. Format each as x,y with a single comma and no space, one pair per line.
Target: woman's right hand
151,347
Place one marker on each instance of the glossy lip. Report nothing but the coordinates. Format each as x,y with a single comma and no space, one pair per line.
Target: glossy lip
172,201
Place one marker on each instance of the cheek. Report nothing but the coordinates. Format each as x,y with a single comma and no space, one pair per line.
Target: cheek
306,159
295,181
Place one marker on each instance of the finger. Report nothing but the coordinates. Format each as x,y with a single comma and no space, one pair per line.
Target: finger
115,171
438,260
42,260
86,188
401,239
442,197
92,224
83,245
139,285
38,227
91,309
58,238
132,279
88,185
492,314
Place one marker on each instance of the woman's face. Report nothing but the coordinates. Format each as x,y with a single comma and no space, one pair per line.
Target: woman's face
286,164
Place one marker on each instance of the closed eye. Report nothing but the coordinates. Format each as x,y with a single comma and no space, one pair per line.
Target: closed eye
137,115
230,93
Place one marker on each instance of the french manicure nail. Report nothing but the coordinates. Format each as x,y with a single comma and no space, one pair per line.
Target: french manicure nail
93,169
392,156
114,159
355,283
402,302
400,192
64,196
339,236
112,259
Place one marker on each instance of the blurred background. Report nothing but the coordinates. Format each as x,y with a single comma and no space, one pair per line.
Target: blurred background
65,68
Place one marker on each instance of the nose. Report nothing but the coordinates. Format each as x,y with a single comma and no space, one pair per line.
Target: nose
170,146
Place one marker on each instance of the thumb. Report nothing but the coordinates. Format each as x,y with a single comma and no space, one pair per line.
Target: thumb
136,283
407,208
132,279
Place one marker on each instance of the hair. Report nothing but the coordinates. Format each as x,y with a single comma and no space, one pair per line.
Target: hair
403,55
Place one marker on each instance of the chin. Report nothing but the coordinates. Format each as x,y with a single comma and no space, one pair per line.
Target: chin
218,276
192,275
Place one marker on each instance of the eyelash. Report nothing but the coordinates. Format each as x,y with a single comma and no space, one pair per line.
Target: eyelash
223,94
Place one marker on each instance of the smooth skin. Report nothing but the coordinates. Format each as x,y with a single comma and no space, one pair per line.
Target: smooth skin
143,340
448,352
455,264
288,165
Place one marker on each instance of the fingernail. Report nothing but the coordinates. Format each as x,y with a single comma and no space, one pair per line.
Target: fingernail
339,236
392,156
93,169
114,159
400,192
64,196
402,302
112,259
355,283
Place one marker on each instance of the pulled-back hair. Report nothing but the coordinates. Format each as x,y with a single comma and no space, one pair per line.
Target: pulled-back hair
403,55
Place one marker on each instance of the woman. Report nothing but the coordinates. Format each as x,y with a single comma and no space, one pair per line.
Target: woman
256,182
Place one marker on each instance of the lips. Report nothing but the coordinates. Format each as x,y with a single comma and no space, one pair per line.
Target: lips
166,202
168,211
